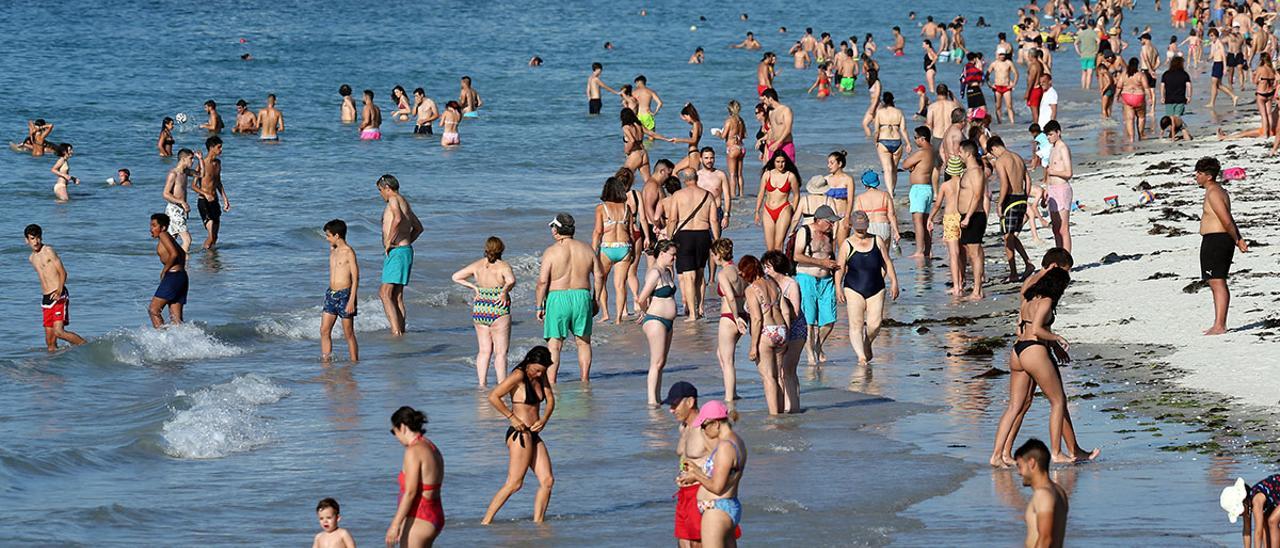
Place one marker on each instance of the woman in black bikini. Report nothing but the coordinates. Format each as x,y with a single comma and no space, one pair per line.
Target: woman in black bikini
1264,79
528,387
1032,354
165,143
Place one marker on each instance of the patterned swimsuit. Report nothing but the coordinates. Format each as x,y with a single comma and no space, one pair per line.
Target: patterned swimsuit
488,307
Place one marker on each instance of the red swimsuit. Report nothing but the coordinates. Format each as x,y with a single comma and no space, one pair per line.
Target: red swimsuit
427,509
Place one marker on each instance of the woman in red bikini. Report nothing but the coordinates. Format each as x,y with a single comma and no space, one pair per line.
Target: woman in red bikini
528,387
419,516
778,196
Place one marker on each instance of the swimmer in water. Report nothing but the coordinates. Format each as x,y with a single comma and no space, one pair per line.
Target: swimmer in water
62,169
209,186
449,124
56,304
36,141
401,100
175,197
348,106
468,97
331,535
535,61
164,143
172,291
123,177
594,83
529,390
748,43
370,119
214,125
424,108
697,57
246,122
419,517
341,296
270,121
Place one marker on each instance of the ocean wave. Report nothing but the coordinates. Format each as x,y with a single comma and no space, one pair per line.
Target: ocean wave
305,324
221,419
177,343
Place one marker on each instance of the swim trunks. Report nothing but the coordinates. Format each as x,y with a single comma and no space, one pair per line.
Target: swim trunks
56,309
1175,109
593,106
1060,196
1013,212
423,129
790,150
646,120
177,218
1180,16
951,227
760,90
209,211
397,265
847,83
173,287
1033,96
568,311
488,306
1216,251
1216,71
693,249
977,228
1088,63
1001,89
371,134
335,303
817,299
921,197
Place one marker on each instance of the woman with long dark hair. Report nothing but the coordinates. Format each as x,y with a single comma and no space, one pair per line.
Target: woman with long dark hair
528,388
613,241
633,134
779,193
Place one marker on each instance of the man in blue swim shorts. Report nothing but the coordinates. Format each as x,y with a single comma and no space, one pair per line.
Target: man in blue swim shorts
815,271
565,295
400,228
922,164
172,291
341,296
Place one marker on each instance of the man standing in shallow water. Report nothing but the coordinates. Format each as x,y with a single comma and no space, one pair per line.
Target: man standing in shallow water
172,291
209,186
566,294
270,121
1219,238
1046,514
56,303
400,228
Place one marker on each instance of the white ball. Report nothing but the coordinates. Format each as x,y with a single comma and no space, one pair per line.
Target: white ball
693,27
180,117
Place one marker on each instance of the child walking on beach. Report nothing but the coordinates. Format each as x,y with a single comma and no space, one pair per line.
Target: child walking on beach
340,298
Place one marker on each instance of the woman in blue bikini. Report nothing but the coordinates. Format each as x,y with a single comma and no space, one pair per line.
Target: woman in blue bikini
719,476
612,240
890,138
657,300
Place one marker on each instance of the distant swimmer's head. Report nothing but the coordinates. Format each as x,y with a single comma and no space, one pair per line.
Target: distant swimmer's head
453,105
123,174
1051,285
597,68
689,114
886,99
466,81
762,111
641,80
419,92
734,107
241,105
210,105
562,225
397,91
408,424
159,224
388,182
64,150
770,94
628,117
344,90
608,45
493,249
368,95
1057,257
749,268
335,230
213,144
535,362
329,514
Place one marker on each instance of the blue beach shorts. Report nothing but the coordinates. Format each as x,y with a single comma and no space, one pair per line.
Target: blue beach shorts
397,265
921,198
817,299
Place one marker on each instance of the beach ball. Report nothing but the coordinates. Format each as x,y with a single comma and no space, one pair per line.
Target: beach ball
180,117
693,27
1146,197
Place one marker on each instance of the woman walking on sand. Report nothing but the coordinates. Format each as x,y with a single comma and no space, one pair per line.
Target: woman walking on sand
1133,93
528,388
865,262
492,282
658,301
419,516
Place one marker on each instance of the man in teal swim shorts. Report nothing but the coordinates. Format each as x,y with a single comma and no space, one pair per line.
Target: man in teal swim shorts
922,163
567,281
400,228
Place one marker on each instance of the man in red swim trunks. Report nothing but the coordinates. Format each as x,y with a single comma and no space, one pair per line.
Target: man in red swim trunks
682,399
53,283
765,72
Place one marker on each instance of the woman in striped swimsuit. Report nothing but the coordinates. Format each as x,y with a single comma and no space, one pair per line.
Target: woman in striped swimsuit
492,281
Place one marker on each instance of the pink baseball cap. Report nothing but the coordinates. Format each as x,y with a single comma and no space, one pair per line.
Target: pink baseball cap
711,411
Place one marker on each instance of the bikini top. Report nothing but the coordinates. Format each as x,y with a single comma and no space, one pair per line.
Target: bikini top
709,465
608,219
665,289
1048,323
531,396
769,186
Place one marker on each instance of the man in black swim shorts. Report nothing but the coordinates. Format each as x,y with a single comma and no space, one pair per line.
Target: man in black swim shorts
1219,239
693,210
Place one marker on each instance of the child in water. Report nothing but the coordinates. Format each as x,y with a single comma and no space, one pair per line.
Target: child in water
331,535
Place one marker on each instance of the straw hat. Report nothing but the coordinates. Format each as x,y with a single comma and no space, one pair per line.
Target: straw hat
817,185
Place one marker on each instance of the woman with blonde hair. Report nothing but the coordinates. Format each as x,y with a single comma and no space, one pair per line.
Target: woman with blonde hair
734,131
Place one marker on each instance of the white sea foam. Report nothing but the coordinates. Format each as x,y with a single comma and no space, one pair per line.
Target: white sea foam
177,343
221,419
305,324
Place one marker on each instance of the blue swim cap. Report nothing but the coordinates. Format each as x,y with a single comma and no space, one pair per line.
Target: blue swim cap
870,179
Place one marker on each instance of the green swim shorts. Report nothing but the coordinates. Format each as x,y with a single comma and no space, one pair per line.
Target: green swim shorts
568,311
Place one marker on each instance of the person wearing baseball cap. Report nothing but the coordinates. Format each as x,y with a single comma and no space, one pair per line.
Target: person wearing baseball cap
682,399
569,277
815,275
717,479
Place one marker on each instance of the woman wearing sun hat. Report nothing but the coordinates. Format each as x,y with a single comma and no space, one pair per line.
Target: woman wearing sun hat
719,475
